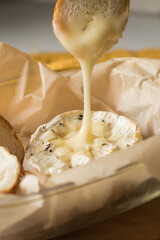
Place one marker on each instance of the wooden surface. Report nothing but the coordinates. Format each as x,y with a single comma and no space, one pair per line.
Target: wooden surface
142,223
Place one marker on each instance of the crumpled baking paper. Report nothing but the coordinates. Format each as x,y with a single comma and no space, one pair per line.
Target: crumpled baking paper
32,94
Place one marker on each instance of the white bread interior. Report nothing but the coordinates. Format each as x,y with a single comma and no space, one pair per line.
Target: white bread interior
9,171
83,8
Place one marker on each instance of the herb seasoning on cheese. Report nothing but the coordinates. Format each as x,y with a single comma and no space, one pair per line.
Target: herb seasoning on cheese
48,153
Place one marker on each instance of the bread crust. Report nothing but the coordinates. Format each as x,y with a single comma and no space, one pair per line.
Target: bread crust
9,139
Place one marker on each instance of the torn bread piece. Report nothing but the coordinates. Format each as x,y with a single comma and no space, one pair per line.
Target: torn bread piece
9,171
88,29
48,153
29,184
9,139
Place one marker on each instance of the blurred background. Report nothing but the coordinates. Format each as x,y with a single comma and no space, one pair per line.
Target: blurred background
27,25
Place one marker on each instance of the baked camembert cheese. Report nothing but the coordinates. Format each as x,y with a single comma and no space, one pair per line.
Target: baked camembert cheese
48,153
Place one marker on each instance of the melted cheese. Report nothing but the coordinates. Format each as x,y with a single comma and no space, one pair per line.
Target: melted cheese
73,139
88,41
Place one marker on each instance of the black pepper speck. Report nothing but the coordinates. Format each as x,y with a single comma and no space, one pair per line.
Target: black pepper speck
48,146
104,144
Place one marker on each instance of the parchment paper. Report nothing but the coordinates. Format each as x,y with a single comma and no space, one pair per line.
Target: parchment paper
31,94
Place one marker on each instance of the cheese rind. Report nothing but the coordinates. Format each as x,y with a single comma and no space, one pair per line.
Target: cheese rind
48,152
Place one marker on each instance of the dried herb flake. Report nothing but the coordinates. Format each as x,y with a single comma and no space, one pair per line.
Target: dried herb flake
48,146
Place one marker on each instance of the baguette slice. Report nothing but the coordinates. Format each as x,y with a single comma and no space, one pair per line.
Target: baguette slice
9,170
90,28
112,132
9,139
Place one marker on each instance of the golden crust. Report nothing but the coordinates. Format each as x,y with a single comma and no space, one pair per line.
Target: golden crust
9,139
57,7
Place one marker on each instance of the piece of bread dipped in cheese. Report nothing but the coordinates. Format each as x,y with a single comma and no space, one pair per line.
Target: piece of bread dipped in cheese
48,154
9,171
90,28
9,139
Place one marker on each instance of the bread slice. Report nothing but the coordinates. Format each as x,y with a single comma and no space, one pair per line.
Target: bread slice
9,170
88,29
9,139
112,132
